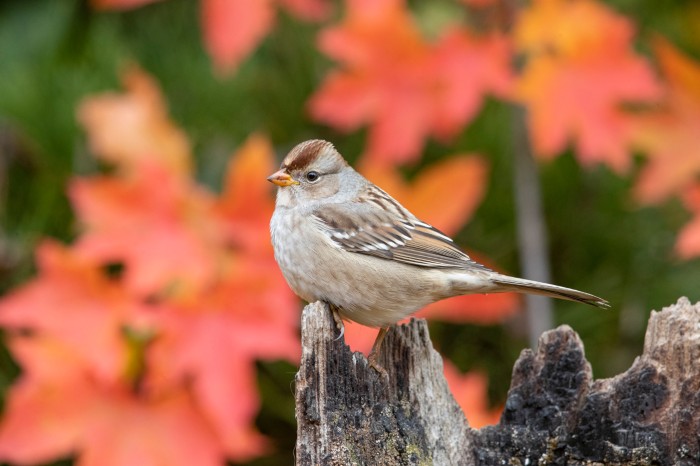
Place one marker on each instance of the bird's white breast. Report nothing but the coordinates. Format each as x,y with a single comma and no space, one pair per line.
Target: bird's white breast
368,290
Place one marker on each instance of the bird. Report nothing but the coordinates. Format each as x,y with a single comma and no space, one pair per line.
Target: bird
340,239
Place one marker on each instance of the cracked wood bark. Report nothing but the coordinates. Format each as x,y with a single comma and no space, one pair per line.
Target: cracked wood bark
555,412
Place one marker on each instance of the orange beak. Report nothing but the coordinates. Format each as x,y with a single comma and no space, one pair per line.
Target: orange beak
281,178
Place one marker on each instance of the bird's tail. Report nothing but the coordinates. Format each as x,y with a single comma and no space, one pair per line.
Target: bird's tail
520,285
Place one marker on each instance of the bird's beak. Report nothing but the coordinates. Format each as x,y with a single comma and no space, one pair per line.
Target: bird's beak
281,178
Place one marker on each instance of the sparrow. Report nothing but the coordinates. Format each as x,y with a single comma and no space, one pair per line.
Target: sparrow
340,239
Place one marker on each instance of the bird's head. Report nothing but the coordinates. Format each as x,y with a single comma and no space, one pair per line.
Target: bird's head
312,171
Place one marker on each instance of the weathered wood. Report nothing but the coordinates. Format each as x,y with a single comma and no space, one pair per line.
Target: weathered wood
348,414
555,412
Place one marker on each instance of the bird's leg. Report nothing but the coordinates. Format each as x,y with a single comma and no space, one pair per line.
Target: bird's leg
374,354
335,312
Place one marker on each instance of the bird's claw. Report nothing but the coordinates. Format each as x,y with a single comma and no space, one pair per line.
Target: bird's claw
342,332
338,323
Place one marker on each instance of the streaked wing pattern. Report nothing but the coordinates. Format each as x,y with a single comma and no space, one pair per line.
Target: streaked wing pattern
371,230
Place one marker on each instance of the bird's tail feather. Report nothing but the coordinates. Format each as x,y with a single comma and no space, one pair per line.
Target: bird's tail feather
520,285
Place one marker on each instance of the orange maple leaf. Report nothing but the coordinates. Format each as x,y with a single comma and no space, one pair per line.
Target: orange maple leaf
151,208
247,313
157,224
89,309
405,88
47,409
126,128
142,348
669,135
580,69
574,29
470,393
75,394
56,409
201,345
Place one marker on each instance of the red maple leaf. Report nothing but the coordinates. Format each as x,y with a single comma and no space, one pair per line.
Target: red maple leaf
57,409
73,302
580,70
153,363
669,134
161,227
403,87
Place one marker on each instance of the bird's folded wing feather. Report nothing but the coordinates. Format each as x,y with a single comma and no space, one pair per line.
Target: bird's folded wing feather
364,228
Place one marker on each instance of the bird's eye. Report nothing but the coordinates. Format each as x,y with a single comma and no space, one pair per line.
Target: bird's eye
312,176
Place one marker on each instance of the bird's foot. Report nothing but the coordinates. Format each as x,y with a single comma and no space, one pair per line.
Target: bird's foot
372,359
374,354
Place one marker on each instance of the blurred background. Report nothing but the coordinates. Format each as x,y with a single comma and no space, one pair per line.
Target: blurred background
144,319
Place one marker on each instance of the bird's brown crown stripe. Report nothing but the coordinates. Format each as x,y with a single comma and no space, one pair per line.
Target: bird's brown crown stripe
304,154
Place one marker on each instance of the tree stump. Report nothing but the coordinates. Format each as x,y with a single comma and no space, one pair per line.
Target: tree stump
555,412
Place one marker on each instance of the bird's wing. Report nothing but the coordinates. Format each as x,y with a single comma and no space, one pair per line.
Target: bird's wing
385,229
